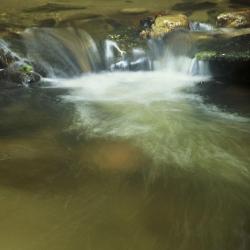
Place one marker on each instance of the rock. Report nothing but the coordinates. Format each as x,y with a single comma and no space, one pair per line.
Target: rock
49,22
79,17
236,19
6,56
165,24
5,84
18,74
14,71
206,55
134,11
191,6
147,22
229,58
54,7
240,2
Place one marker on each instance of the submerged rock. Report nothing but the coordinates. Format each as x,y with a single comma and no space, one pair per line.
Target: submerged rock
164,25
48,22
134,11
190,6
53,7
236,19
79,17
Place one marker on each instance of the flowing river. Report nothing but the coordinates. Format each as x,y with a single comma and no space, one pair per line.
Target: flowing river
121,159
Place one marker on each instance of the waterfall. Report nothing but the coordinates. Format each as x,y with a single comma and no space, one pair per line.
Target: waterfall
199,67
201,27
71,52
62,52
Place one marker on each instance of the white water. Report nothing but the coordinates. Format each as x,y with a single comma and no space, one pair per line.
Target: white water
162,113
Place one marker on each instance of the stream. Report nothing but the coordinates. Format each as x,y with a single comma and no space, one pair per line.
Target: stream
117,151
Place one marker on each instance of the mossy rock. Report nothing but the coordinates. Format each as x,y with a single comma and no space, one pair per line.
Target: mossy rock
220,56
26,68
205,55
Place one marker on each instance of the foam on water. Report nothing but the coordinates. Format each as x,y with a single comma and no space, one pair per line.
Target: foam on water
162,113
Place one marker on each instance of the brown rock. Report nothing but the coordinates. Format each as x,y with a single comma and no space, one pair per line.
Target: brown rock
236,19
165,24
133,11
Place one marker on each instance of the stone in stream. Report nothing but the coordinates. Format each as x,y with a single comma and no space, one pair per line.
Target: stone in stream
54,7
191,6
229,58
48,22
235,19
134,11
18,74
165,24
79,17
15,72
6,58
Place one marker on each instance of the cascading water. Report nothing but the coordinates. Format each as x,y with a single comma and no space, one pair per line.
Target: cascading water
62,52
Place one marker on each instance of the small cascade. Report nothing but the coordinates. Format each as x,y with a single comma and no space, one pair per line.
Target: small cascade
62,52
67,53
118,60
201,27
199,67
171,55
112,52
8,52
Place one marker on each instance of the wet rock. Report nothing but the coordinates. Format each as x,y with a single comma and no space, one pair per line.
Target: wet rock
79,17
5,84
18,74
241,2
15,72
127,38
164,25
190,6
147,22
6,58
236,19
49,22
54,7
134,11
229,58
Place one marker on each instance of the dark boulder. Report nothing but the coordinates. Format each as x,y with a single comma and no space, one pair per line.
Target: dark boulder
15,72
54,7
235,19
229,59
18,74
164,24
